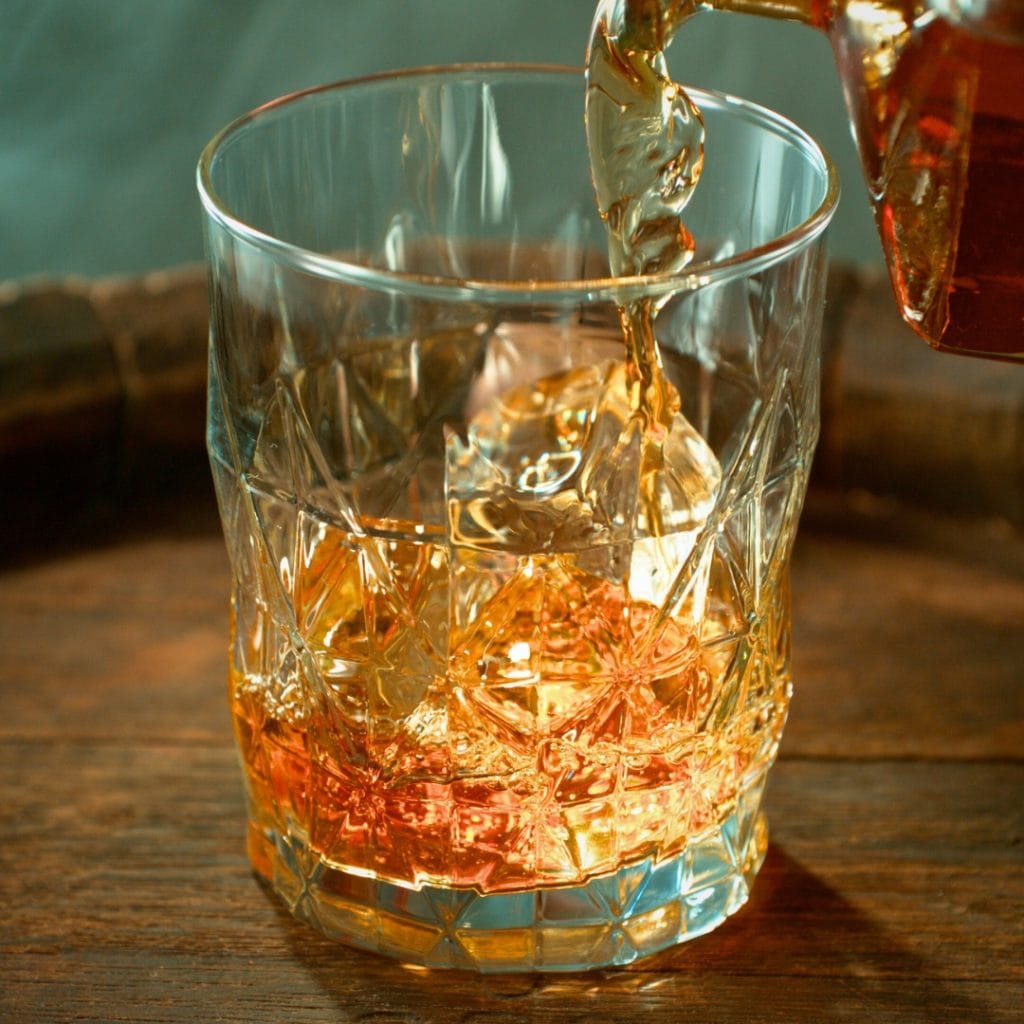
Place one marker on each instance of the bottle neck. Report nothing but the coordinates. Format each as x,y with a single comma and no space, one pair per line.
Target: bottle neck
817,13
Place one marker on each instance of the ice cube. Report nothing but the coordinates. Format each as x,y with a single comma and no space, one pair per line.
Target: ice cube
520,353
566,463
547,466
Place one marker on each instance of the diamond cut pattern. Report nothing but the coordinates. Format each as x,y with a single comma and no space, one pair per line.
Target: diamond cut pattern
610,920
431,714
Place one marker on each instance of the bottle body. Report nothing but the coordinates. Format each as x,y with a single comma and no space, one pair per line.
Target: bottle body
935,95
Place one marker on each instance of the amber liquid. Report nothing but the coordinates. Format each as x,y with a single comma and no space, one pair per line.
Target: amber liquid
566,734
523,671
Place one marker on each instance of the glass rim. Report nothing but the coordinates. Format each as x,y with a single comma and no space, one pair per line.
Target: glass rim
616,289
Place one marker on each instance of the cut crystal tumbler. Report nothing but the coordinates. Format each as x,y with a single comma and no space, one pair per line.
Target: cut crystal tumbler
509,658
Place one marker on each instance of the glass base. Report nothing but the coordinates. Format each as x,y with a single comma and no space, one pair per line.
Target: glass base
610,920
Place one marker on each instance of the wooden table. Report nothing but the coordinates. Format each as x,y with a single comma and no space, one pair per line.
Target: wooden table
893,889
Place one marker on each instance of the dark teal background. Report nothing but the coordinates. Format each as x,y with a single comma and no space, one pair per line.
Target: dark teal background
105,105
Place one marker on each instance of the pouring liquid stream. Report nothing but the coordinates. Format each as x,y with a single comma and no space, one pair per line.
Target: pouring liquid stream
646,144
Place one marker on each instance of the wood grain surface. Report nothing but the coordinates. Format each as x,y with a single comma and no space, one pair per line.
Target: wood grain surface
893,889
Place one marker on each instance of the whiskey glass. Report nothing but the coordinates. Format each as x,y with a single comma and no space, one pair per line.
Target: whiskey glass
494,711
